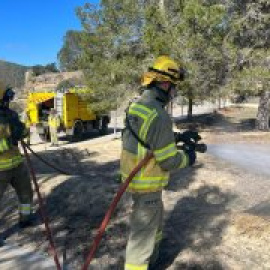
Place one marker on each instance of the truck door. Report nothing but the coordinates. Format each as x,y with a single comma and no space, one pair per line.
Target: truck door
70,112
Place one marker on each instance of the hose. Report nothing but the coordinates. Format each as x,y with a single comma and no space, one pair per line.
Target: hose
112,207
42,207
45,161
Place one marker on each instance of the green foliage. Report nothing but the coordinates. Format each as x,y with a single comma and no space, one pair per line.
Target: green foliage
111,51
70,53
214,39
40,69
65,85
249,34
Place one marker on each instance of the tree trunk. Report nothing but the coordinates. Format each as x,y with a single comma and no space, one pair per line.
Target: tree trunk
162,7
189,114
262,121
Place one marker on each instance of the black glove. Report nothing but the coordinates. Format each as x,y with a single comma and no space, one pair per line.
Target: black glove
187,137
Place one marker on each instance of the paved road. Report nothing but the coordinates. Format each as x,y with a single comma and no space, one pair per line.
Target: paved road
254,158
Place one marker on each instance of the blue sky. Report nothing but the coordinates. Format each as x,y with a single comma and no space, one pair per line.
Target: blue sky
32,31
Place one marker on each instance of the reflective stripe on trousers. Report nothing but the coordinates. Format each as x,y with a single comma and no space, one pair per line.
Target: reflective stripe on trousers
135,267
25,209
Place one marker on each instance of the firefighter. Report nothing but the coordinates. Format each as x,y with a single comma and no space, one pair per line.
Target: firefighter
54,123
149,128
12,167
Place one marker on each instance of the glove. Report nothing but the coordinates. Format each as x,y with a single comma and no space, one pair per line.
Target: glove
187,136
191,156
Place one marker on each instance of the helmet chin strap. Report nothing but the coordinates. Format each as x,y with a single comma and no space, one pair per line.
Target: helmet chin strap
165,95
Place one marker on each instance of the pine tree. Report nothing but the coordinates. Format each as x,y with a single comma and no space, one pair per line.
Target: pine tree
251,35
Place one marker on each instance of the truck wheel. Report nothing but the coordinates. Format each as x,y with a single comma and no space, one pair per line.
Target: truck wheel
78,130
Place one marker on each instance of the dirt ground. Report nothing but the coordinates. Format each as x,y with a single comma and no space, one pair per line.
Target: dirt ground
211,218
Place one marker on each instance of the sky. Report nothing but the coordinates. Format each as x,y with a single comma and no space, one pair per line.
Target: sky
32,31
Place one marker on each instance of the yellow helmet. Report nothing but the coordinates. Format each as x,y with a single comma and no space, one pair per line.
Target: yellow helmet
163,69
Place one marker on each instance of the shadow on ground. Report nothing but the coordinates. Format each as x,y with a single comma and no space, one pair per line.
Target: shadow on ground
222,121
87,136
77,205
195,225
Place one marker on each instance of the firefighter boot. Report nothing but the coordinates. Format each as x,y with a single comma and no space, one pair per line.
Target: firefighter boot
27,221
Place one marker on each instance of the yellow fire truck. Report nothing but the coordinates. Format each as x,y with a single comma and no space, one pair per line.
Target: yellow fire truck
75,116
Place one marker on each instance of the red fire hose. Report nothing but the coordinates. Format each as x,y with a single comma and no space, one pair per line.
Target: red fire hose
112,208
42,207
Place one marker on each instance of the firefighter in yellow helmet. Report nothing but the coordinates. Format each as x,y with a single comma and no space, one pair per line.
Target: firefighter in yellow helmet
149,128
12,168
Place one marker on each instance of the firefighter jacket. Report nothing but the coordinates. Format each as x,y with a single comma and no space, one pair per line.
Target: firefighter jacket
53,121
11,131
153,126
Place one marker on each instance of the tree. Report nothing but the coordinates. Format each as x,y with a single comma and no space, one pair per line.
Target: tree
71,51
111,51
120,39
192,32
263,115
40,69
250,34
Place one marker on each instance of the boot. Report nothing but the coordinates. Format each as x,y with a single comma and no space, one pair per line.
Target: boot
27,221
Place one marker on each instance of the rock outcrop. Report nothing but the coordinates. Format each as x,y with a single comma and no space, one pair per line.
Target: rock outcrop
49,81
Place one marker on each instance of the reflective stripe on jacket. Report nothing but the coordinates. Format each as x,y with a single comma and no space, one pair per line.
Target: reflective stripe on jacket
3,145
153,126
10,161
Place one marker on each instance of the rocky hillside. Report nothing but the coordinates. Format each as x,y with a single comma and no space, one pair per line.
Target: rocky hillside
49,81
12,74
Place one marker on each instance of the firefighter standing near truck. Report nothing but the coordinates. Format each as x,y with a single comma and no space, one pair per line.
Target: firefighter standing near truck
149,128
54,123
12,167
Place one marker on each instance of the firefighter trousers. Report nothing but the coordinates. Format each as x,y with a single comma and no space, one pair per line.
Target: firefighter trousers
54,135
19,179
145,230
